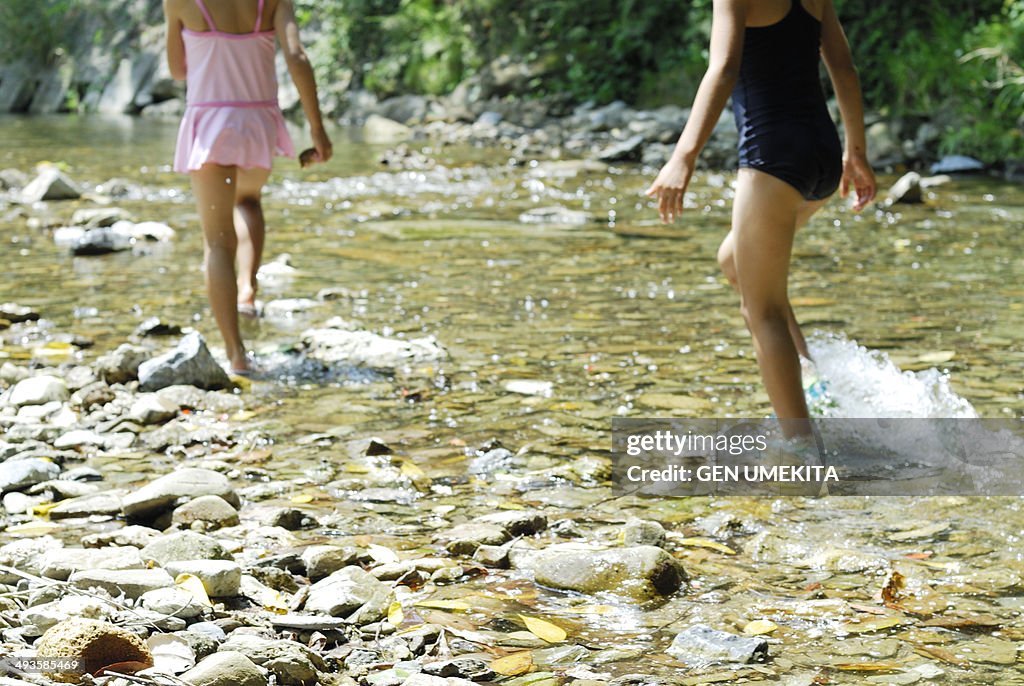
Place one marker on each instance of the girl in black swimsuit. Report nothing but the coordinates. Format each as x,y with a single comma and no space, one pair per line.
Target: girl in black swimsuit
766,54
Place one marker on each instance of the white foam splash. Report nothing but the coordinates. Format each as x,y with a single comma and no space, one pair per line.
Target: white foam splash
865,383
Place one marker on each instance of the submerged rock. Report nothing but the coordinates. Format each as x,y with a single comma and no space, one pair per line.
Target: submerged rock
701,645
190,363
93,644
367,349
641,572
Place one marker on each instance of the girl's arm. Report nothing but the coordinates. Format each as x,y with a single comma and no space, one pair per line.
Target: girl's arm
302,74
175,44
727,27
835,50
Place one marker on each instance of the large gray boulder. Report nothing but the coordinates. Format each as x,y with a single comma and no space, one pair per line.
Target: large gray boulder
190,363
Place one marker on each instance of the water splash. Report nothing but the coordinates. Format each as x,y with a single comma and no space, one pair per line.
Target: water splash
858,382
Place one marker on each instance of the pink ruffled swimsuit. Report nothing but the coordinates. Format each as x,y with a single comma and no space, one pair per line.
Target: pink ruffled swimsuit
231,113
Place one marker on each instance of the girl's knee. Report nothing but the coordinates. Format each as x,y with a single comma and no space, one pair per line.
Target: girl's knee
248,203
760,312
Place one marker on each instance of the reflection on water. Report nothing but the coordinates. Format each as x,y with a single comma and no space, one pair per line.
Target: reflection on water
622,317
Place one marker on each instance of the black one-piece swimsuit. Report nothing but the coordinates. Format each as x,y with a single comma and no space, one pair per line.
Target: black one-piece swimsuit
784,125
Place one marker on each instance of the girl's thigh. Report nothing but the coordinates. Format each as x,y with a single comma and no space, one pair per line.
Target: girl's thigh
250,183
764,220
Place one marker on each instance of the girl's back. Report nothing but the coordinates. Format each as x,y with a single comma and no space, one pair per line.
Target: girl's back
229,16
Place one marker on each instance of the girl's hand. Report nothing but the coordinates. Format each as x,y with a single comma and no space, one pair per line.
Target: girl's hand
857,172
669,188
322,144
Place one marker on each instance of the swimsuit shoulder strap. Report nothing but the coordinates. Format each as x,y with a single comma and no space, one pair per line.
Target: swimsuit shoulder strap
259,17
206,15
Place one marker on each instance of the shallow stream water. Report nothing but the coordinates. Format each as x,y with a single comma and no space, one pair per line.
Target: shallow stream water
618,316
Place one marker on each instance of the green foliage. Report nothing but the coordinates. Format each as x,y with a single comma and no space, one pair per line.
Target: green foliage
36,31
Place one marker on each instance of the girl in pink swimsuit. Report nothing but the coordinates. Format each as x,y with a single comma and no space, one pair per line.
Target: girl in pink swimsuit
231,131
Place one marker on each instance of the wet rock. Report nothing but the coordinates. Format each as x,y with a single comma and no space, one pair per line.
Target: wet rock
288,308
184,545
38,390
464,539
154,326
492,556
37,619
906,190
627,150
275,578
221,578
350,592
641,572
61,564
201,644
556,215
957,164
182,485
366,349
107,503
225,668
490,461
193,398
190,364
643,532
466,667
50,184
883,145
79,438
12,179
17,314
99,216
293,519
132,583
518,522
172,601
93,644
378,129
421,679
323,560
701,645
291,663
210,510
133,535
122,364
17,475
150,408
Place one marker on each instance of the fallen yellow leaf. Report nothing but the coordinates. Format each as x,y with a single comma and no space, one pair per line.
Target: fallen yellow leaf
301,498
451,605
759,627
395,615
544,629
194,585
707,543
513,664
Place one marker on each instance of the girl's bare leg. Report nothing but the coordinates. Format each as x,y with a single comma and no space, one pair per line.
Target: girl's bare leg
726,261
214,189
250,230
764,221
